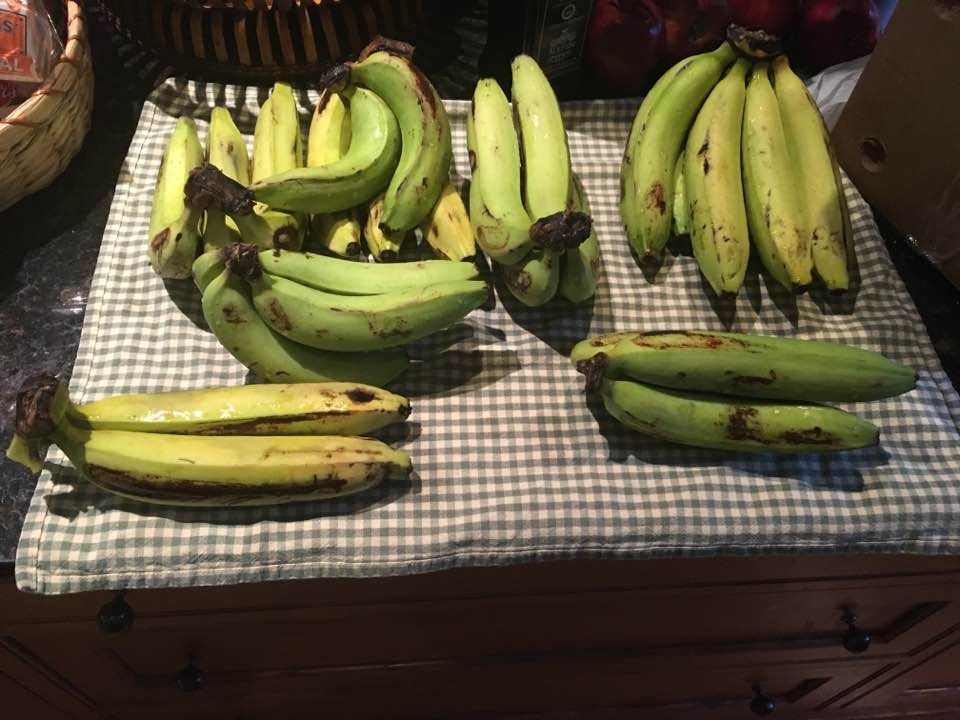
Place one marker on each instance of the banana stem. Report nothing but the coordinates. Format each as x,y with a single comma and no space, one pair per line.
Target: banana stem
243,261
208,187
41,404
593,369
562,230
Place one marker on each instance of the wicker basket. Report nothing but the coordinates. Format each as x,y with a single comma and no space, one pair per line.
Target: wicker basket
257,40
40,137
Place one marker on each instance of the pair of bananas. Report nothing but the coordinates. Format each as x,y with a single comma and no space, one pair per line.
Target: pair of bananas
298,317
383,141
529,211
719,151
698,388
252,445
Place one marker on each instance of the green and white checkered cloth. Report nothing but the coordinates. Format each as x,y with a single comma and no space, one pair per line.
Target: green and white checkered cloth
513,463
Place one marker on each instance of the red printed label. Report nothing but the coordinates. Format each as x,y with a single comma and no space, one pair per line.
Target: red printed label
14,60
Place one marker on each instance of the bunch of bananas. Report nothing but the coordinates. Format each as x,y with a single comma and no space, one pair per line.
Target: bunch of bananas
730,150
528,209
728,391
379,142
252,445
299,317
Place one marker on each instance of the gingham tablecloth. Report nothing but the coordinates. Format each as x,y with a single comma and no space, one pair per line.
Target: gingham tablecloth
513,462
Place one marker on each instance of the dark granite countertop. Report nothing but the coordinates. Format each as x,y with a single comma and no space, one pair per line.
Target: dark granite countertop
51,240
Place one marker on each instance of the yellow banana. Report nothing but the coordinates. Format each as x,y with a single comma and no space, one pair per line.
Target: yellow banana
447,228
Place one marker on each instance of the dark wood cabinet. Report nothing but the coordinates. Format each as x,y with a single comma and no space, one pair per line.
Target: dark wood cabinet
827,637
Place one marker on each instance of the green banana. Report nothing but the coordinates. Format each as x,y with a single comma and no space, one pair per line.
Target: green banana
681,210
362,322
723,423
327,142
424,165
774,206
351,278
174,226
818,175
586,349
224,471
384,244
714,185
656,140
350,181
227,151
534,281
206,268
581,265
447,228
752,366
500,221
543,138
231,316
305,409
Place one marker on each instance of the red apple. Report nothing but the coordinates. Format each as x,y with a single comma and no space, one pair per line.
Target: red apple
834,31
772,16
693,26
625,42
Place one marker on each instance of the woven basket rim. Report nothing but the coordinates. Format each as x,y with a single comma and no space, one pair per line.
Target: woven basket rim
73,51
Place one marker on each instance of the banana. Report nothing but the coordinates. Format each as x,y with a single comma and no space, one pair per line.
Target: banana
174,226
227,151
231,316
384,244
820,190
543,138
681,210
500,220
723,423
447,228
305,409
751,366
656,139
775,212
224,471
351,278
581,265
363,322
352,180
534,281
714,185
586,349
327,142
424,165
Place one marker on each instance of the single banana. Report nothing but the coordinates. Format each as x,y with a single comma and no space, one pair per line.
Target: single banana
351,278
778,224
543,138
581,265
534,281
206,268
231,316
227,151
361,322
818,173
723,423
656,140
447,228
174,226
277,148
752,366
353,179
500,220
424,165
714,185
304,409
384,244
328,141
681,210
228,470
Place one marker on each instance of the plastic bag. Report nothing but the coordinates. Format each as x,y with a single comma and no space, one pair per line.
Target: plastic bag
29,49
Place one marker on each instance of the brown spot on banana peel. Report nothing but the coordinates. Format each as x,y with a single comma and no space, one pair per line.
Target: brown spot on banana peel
656,199
34,407
278,316
232,316
754,379
739,426
360,395
810,436
593,370
208,187
704,154
159,240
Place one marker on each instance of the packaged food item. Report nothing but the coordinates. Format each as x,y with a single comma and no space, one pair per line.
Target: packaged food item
29,48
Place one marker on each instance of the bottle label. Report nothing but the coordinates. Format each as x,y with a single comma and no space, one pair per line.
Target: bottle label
557,37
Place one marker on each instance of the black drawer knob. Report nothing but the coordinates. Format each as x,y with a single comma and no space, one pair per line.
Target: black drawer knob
115,616
190,678
855,640
762,704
